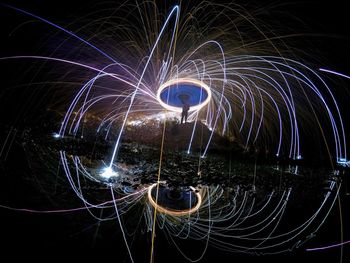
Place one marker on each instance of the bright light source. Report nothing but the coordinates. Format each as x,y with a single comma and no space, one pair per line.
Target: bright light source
108,173
56,135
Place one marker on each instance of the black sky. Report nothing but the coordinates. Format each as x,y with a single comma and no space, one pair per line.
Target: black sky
330,20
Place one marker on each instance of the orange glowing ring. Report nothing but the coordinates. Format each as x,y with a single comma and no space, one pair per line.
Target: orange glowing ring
184,81
163,210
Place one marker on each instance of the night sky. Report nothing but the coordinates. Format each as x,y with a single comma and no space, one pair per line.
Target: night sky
321,35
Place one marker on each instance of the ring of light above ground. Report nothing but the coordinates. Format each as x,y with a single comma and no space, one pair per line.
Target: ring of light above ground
174,212
171,93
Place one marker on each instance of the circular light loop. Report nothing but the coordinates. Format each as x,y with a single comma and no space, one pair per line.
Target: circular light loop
193,85
164,210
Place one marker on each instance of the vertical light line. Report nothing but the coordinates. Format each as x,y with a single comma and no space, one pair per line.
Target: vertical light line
157,191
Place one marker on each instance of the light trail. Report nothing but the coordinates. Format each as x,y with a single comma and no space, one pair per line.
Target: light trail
254,96
329,246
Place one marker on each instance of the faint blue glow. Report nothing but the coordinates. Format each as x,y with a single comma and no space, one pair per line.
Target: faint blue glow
343,162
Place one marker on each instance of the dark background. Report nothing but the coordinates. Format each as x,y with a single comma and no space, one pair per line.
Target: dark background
31,236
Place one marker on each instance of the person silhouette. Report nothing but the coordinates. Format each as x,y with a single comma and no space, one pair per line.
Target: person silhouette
185,109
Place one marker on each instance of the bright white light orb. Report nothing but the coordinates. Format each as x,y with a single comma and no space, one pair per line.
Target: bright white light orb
108,172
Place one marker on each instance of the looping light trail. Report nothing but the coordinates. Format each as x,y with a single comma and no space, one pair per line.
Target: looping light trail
266,102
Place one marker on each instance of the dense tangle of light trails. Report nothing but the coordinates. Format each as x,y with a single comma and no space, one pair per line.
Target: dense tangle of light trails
260,99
